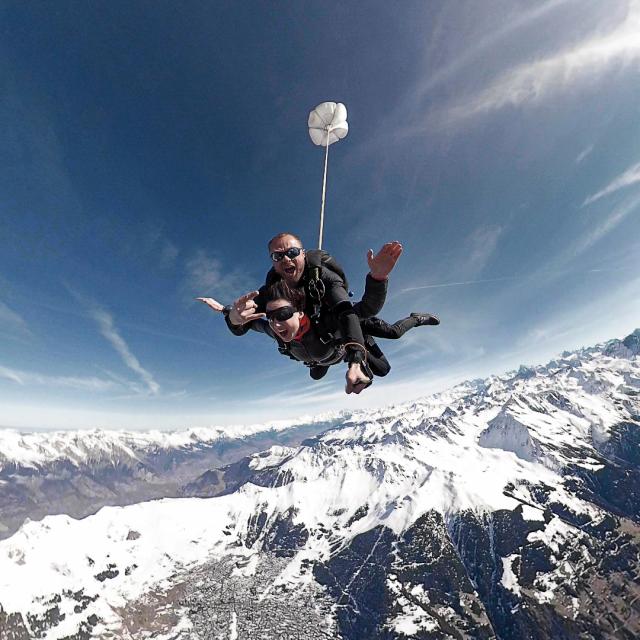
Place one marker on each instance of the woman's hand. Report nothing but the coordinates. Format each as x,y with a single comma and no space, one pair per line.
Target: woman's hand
243,310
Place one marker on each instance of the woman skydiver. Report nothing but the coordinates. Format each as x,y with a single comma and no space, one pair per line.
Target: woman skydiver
302,340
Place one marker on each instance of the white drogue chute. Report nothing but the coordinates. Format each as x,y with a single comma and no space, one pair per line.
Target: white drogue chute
327,124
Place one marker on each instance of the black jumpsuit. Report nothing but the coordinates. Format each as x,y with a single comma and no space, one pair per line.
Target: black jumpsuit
311,350
340,323
337,314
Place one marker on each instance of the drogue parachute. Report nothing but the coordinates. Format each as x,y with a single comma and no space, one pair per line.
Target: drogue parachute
327,124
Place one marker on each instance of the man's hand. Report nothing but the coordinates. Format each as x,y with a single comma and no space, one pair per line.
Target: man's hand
243,310
356,380
381,265
212,303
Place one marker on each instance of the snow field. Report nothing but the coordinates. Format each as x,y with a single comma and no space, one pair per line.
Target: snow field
452,452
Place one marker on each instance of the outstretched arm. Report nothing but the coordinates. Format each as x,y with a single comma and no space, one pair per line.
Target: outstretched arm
212,303
240,314
375,290
382,264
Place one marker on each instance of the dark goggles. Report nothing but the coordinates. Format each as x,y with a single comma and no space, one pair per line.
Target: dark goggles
291,253
281,314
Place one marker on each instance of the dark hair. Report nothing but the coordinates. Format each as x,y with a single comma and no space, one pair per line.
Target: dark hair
282,291
282,235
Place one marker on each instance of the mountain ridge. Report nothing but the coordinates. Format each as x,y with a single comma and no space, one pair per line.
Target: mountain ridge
502,508
78,473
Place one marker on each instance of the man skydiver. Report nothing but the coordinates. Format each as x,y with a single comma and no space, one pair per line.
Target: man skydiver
325,292
337,314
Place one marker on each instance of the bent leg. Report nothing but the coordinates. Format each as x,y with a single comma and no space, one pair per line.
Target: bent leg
379,366
376,359
379,328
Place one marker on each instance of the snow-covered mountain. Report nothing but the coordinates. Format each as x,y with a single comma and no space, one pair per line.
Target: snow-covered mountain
504,508
78,472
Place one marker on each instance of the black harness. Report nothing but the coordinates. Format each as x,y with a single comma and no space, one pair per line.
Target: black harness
315,291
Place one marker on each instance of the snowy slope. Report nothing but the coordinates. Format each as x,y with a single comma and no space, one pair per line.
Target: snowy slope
491,510
79,472
38,449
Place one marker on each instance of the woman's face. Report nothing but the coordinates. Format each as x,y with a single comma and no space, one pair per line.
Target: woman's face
285,329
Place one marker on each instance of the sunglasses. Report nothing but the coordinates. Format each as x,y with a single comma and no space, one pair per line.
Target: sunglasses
292,253
281,314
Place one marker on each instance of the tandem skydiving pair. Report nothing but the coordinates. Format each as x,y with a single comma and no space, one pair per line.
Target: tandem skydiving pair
304,306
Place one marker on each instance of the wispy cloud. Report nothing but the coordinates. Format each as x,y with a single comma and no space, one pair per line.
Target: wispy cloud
130,387
480,246
12,321
584,153
470,55
147,241
108,329
559,265
559,330
25,378
314,392
534,81
168,253
154,242
409,118
630,177
206,275
606,226
110,332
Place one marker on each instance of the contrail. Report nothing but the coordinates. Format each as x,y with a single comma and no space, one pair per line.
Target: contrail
459,284
466,282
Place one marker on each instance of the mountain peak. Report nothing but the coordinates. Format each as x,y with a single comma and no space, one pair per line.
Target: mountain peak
508,507
632,342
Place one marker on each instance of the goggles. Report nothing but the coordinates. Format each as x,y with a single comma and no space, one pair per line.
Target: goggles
281,314
291,253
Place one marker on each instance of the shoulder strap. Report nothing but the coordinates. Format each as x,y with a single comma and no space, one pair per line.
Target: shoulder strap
321,258
283,348
315,256
314,286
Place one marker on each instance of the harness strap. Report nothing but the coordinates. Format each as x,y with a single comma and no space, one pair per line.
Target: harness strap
359,346
283,348
335,358
316,290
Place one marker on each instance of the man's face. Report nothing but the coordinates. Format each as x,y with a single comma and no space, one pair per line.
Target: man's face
289,269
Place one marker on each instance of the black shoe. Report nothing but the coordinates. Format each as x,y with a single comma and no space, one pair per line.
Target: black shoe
425,319
318,371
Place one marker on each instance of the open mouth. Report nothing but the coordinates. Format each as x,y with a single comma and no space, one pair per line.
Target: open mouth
281,331
290,270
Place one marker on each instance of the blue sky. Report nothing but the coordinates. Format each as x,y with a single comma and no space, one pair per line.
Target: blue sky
148,150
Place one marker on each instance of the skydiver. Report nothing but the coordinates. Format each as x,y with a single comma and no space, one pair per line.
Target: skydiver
286,322
325,293
336,316
325,289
